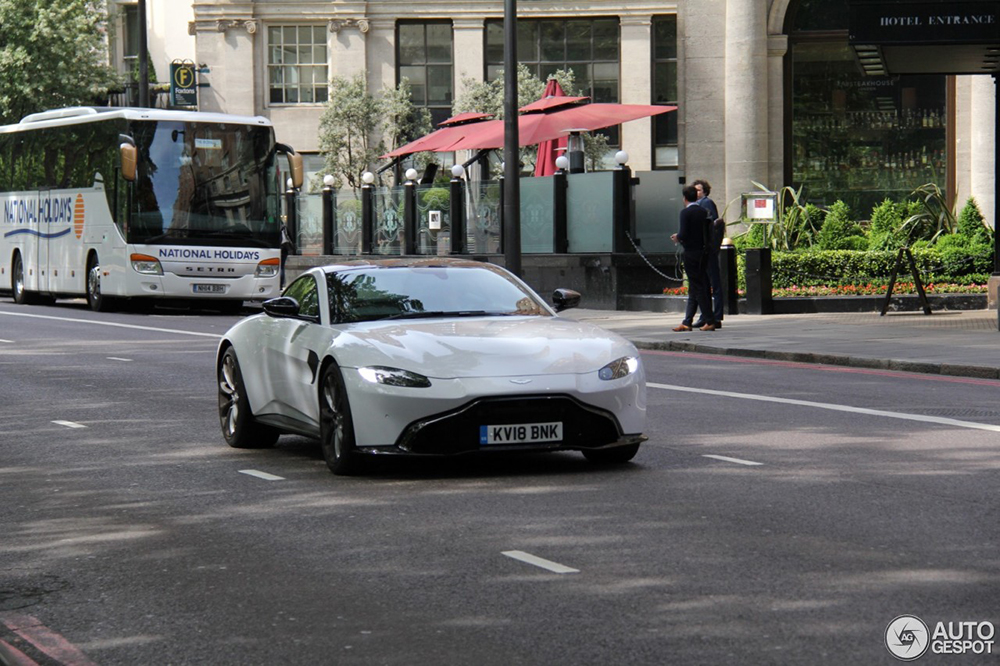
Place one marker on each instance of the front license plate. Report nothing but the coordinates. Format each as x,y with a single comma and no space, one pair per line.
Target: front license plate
525,433
209,288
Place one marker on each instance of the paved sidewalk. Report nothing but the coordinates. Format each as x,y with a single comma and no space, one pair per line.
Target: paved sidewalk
962,343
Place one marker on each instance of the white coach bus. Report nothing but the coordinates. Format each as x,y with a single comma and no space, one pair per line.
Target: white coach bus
116,203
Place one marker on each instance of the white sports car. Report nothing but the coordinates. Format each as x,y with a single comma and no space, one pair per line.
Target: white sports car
431,356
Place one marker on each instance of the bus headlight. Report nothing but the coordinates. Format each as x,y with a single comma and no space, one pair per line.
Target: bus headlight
268,268
145,264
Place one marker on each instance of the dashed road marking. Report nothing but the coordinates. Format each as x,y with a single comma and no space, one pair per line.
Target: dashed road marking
738,461
554,567
9,342
70,424
117,358
261,475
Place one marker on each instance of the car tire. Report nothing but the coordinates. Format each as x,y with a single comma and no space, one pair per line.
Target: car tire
239,428
336,424
615,456
97,301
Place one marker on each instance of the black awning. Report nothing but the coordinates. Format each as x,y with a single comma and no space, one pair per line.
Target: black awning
926,37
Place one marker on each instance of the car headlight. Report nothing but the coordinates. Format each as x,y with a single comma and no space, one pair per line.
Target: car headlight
268,268
393,377
619,368
145,264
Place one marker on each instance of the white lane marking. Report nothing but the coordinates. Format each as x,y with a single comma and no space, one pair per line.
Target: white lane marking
112,323
116,358
262,475
70,424
738,461
554,567
940,420
9,342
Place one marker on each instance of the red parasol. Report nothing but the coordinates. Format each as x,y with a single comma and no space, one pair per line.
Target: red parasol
451,130
534,128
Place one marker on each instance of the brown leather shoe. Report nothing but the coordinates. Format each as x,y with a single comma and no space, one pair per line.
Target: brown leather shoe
681,328
707,327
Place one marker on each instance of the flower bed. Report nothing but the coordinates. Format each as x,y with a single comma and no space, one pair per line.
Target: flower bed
868,289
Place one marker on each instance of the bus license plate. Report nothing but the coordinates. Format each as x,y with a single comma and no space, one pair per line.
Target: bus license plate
525,433
209,288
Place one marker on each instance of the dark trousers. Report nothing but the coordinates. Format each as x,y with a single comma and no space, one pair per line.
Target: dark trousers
715,282
696,267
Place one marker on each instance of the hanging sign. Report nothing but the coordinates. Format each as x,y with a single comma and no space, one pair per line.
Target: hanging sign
183,84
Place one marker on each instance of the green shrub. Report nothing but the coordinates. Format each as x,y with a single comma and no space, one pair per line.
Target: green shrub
436,198
840,231
887,219
971,224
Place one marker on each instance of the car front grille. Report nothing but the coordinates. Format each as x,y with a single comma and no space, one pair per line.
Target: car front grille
458,431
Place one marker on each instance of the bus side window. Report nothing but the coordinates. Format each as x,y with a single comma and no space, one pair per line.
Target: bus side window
6,167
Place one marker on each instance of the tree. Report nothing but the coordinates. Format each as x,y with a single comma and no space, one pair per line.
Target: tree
355,126
52,54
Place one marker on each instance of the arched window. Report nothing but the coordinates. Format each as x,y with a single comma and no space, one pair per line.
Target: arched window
857,138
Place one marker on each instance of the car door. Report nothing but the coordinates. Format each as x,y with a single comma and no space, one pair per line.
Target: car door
291,355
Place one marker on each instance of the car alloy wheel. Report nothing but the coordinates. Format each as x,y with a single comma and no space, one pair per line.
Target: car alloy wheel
336,426
238,426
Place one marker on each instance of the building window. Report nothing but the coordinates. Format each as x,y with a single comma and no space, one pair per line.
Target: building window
130,34
587,47
665,90
424,57
297,64
858,138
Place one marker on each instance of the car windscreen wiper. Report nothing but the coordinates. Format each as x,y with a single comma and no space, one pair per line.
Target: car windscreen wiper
448,313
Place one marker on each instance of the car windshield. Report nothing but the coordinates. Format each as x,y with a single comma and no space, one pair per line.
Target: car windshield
413,292
205,184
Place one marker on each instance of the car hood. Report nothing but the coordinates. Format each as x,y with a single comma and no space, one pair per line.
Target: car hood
482,346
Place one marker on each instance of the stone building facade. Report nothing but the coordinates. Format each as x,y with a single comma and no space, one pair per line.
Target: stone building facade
763,88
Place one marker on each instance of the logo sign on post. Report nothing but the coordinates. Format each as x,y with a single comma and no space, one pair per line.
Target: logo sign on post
760,207
183,85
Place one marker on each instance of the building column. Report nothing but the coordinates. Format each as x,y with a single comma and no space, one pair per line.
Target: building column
637,87
348,46
983,139
746,96
226,45
777,47
381,54
469,55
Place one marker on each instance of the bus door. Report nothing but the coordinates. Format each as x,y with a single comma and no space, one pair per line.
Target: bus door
43,261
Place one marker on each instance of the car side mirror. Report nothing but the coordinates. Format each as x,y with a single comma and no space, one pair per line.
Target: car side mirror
283,306
295,168
564,299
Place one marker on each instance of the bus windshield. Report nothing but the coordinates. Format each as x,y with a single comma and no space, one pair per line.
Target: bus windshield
205,184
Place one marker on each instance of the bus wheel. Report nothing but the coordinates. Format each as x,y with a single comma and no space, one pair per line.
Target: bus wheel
97,301
21,295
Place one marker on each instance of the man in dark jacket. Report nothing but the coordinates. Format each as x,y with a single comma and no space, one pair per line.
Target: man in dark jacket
693,236
718,232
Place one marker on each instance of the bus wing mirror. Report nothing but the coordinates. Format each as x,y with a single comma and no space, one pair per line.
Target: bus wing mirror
295,169
294,164
129,159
